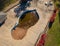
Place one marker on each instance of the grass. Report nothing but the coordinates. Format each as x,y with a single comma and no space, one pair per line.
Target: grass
53,35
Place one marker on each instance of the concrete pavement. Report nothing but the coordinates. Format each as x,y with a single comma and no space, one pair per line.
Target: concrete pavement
32,34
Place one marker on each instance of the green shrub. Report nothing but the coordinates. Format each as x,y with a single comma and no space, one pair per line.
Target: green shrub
5,3
58,5
59,15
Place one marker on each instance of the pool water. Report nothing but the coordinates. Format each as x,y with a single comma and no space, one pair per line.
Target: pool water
28,20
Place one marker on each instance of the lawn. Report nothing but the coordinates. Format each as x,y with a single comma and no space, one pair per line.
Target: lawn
53,35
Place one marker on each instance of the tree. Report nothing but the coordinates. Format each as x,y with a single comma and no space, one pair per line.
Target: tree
5,3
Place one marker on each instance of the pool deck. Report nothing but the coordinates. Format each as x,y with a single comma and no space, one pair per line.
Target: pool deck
32,34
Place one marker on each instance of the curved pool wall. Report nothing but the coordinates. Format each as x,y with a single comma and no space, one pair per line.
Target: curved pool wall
21,15
27,11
